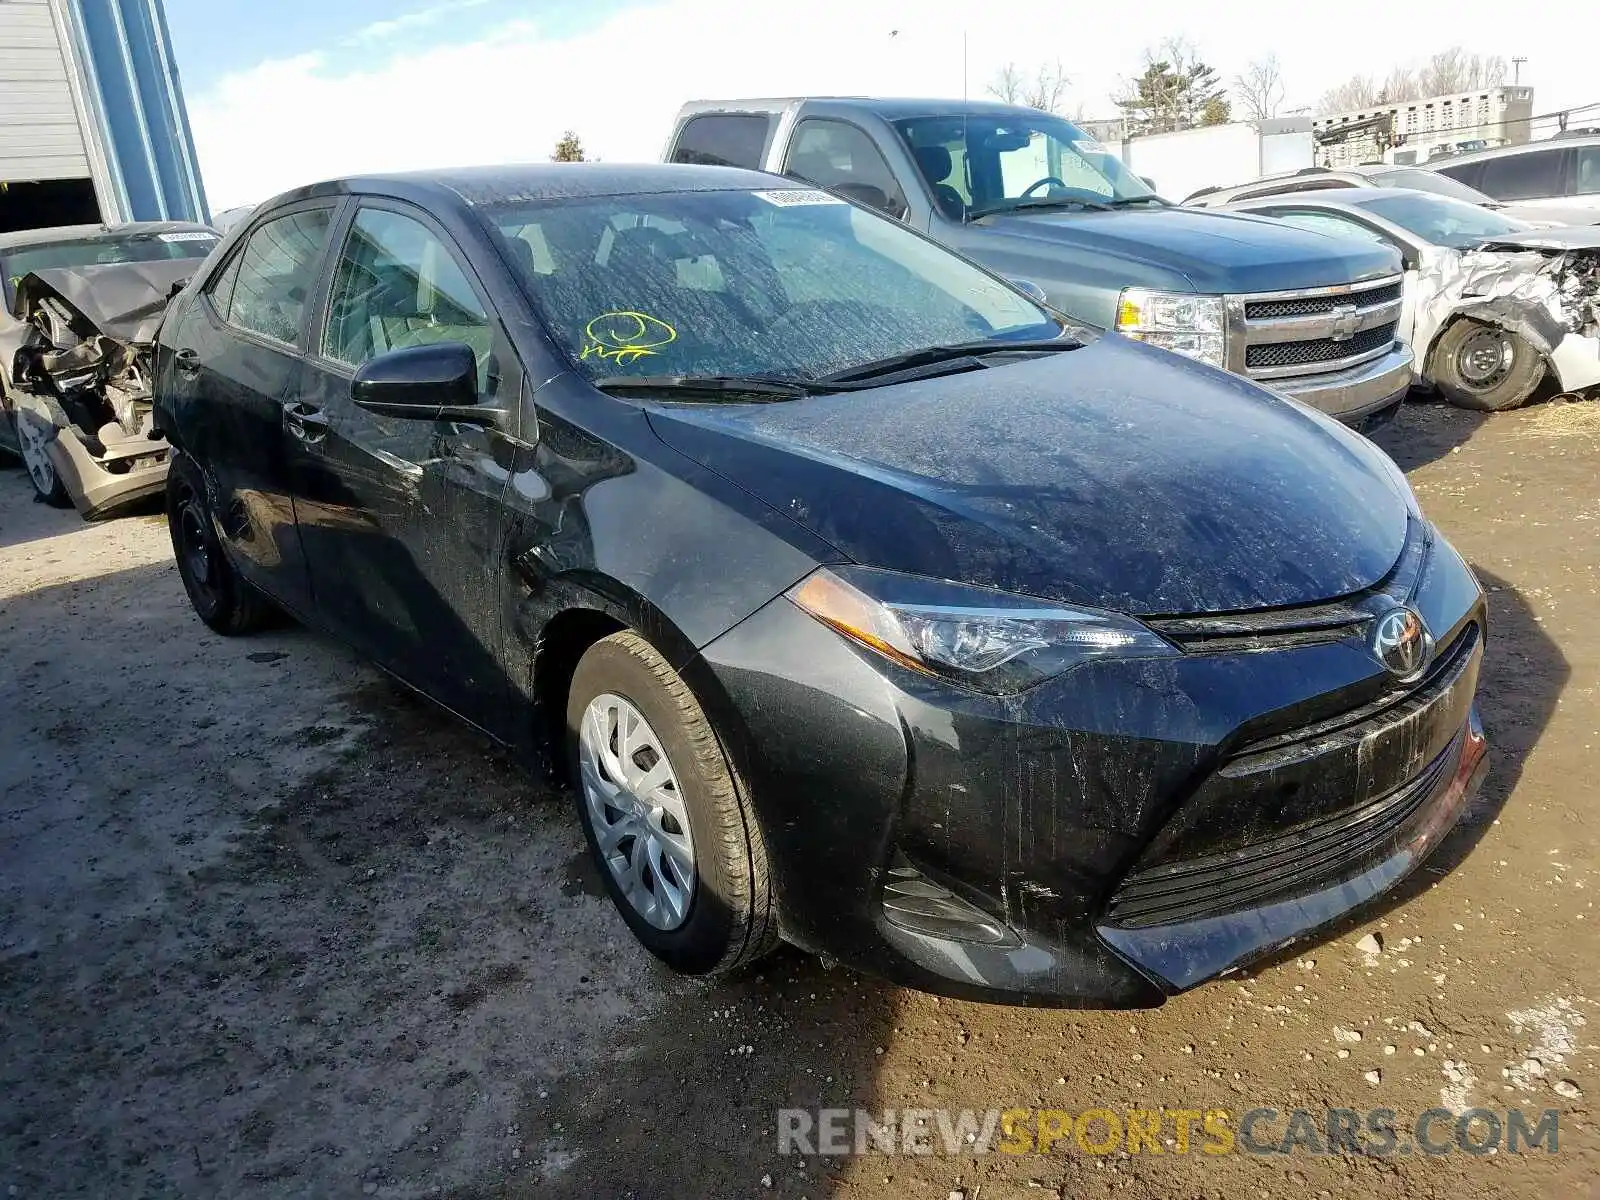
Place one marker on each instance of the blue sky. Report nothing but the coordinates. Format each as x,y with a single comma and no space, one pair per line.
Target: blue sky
285,92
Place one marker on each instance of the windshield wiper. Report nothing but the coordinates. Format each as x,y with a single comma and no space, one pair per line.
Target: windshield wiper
1005,206
961,356
768,387
1125,201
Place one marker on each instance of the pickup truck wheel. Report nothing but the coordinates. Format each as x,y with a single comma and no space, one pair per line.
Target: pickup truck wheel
34,435
665,815
222,599
1484,367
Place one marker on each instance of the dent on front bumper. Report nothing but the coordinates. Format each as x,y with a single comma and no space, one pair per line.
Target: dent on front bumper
1358,393
1012,824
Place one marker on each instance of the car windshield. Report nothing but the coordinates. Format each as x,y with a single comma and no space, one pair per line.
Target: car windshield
988,163
1433,182
1440,220
789,283
94,251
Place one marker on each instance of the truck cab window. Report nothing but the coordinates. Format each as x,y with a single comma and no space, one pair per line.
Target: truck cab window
839,157
724,140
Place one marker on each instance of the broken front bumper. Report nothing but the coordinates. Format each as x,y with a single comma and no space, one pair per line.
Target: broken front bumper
1358,393
129,470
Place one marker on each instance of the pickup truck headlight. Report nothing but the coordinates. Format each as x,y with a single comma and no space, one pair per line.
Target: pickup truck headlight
985,639
1178,321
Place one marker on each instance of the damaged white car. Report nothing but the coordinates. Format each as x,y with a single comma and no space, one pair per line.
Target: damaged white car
1493,305
82,307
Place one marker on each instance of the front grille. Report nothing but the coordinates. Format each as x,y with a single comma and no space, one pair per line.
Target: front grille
1306,306
1326,846
1295,354
1295,863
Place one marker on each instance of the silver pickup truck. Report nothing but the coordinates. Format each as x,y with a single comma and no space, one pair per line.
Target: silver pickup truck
1033,197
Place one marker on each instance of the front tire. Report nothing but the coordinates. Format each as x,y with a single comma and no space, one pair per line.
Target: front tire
221,598
664,812
1484,367
34,435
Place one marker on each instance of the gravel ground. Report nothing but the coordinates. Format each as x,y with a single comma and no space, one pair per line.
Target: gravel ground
269,926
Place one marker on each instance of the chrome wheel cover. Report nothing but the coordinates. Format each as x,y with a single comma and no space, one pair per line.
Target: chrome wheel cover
32,438
636,811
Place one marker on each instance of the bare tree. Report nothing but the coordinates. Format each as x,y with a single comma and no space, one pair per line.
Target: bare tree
1398,85
1260,89
1044,91
1006,86
1356,92
1454,70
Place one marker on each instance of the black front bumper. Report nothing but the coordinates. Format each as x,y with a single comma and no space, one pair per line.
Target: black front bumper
1123,832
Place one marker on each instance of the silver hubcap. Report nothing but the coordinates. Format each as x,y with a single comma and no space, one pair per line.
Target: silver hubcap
1485,357
635,808
31,437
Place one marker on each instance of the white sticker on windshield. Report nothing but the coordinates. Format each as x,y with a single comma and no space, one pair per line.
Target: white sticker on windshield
789,199
1089,146
187,236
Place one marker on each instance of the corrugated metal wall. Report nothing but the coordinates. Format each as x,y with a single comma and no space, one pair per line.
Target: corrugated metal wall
40,137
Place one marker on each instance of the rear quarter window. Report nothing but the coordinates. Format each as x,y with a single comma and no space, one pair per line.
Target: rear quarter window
724,140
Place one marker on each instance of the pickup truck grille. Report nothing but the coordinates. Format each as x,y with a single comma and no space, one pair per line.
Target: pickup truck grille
1258,310
1320,350
1275,335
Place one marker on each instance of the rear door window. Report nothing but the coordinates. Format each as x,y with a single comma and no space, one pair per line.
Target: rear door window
1531,176
274,275
724,140
843,159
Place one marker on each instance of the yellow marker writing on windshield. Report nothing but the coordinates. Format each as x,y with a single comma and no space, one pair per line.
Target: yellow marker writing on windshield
625,337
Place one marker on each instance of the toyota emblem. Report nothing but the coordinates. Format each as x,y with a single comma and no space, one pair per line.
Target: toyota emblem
1402,643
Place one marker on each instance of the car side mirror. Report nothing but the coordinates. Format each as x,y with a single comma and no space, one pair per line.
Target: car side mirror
424,383
1029,289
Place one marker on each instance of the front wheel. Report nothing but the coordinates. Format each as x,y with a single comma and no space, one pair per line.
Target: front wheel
665,813
223,600
1484,367
34,435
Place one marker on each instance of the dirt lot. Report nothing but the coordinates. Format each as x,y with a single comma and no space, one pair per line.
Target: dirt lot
271,927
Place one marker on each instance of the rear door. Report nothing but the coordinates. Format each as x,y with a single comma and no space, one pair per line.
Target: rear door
401,519
235,369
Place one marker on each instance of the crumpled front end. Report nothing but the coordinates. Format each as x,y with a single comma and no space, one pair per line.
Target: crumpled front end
1546,293
81,379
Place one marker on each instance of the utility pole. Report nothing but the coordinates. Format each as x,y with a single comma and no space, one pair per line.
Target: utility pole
1516,69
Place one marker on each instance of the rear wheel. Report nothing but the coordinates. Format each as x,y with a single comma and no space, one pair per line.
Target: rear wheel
1484,367
222,599
665,813
34,435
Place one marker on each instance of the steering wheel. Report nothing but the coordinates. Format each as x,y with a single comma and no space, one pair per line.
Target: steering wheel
1033,187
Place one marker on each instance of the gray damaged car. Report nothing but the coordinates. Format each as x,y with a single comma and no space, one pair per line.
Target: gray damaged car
1494,307
82,310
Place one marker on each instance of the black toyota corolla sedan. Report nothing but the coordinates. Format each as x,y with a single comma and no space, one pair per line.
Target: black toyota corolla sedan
865,603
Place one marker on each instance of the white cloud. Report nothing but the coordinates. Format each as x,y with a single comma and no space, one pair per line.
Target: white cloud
507,95
382,30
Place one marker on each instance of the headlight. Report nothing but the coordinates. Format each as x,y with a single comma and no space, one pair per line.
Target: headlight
986,639
1176,321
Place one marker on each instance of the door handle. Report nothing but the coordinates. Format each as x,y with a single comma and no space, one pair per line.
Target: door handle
305,422
187,361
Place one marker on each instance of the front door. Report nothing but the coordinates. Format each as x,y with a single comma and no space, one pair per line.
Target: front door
401,519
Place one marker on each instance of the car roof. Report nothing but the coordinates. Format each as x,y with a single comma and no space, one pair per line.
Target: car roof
482,186
889,108
1311,179
78,233
1553,143
1351,197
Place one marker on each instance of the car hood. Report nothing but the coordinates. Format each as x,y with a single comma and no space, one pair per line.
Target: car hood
1546,215
1216,252
1115,475
125,301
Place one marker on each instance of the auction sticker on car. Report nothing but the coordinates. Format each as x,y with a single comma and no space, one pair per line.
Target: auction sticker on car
193,235
790,198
